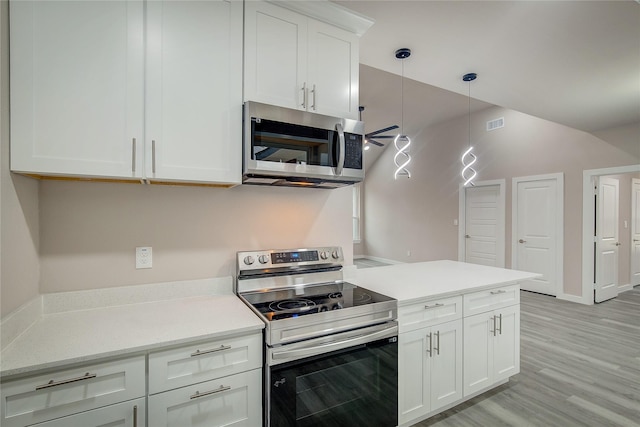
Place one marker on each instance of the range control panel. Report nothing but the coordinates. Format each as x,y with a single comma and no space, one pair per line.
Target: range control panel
283,258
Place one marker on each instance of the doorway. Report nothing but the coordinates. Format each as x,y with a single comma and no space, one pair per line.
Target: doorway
481,216
537,231
589,254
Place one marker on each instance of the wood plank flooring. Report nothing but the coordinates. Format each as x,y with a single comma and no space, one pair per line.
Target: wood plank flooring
580,366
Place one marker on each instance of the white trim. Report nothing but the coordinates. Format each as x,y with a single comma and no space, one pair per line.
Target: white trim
633,230
388,261
624,288
588,219
501,228
559,178
571,298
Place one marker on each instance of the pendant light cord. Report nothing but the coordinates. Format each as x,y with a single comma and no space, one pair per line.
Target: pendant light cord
402,99
469,98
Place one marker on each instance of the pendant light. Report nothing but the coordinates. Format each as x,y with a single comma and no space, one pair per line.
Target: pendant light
468,158
402,141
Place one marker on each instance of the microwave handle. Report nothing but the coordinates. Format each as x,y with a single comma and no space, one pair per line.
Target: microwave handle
341,139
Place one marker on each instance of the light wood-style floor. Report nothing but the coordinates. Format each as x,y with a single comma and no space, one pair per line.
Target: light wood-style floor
580,366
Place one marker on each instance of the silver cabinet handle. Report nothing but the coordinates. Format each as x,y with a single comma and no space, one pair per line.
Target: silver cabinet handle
522,241
437,343
313,92
430,336
153,156
207,393
500,328
636,240
133,156
53,383
428,307
135,416
213,350
501,291
304,95
342,149
494,326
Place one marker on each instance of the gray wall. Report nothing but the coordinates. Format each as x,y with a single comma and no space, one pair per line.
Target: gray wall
417,214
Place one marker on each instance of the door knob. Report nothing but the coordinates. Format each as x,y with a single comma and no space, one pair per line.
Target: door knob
466,236
522,241
618,243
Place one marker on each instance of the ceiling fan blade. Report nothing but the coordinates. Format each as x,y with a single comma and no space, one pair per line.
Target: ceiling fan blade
384,136
374,142
382,130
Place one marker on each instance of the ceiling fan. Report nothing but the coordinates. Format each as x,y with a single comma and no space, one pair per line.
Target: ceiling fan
372,136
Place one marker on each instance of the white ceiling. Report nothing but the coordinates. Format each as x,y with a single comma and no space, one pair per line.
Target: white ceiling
576,63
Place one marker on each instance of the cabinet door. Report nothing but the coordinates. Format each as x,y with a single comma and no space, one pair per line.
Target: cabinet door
230,401
446,364
507,343
478,352
77,88
194,91
126,414
275,63
413,375
333,70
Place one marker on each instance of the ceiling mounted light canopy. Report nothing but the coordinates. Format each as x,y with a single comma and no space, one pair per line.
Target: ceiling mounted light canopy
468,159
402,141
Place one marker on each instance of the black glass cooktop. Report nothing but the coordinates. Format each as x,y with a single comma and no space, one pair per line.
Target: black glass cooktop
301,301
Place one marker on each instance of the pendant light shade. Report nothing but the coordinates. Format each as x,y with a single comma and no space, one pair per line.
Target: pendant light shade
468,159
402,141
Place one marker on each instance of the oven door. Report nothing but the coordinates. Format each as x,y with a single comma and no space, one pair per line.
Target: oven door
352,386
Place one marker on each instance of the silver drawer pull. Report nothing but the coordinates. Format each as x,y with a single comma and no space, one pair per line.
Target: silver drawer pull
53,383
427,307
207,393
213,350
501,291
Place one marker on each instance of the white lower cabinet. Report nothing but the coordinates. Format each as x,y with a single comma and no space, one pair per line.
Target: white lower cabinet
429,369
492,348
126,414
45,397
235,400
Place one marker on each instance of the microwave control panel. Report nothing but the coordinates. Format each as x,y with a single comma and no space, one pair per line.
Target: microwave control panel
353,151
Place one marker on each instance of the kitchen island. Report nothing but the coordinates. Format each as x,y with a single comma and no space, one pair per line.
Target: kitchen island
459,330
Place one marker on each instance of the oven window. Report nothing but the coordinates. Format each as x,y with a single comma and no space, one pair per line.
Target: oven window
279,142
352,387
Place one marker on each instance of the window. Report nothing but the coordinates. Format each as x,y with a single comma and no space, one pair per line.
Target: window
356,213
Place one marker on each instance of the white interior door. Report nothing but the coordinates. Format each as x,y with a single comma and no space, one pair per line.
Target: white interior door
481,225
635,232
537,230
607,242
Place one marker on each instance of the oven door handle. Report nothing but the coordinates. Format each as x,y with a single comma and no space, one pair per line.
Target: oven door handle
313,350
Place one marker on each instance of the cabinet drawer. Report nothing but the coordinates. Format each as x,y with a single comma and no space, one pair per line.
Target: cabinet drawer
231,401
203,361
429,313
44,397
126,414
491,299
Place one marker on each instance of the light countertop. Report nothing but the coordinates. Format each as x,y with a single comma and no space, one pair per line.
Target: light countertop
78,336
413,282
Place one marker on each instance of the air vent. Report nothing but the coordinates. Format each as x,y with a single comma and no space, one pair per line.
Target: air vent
495,124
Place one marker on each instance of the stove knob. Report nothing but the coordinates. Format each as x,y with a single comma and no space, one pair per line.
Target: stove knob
263,259
335,254
324,254
248,260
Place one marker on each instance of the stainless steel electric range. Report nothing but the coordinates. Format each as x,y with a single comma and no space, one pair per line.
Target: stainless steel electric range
331,353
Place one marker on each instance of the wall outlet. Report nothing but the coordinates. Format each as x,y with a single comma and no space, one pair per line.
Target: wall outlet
144,257
408,253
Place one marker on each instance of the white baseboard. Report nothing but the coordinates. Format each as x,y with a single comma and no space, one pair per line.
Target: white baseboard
385,260
625,288
575,298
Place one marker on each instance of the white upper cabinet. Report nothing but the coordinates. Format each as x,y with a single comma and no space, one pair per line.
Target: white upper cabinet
85,104
194,91
77,88
299,62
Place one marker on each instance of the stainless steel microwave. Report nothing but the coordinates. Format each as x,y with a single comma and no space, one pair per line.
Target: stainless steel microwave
286,147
